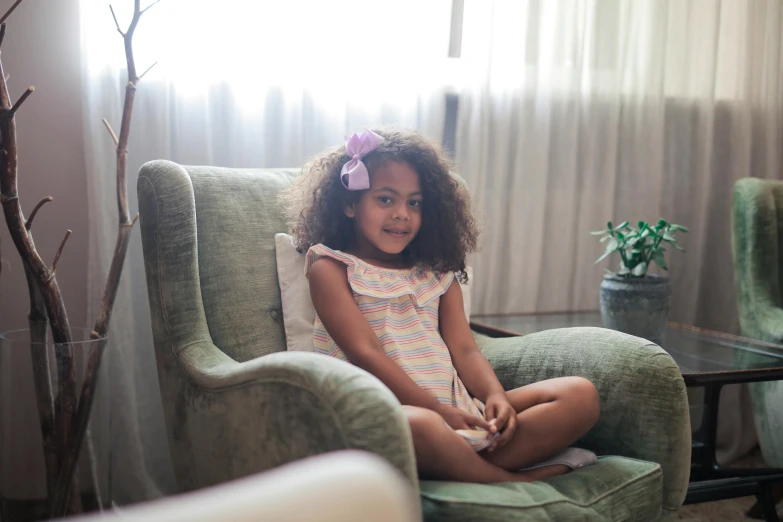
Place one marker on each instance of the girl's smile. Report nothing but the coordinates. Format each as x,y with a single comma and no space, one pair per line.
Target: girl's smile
397,233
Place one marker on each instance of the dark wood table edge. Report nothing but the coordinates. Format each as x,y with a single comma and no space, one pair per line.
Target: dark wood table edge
492,331
478,326
691,379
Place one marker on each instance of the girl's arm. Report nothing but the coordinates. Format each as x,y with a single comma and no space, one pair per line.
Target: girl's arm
334,303
472,367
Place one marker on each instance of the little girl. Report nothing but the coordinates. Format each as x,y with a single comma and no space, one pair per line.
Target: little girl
387,230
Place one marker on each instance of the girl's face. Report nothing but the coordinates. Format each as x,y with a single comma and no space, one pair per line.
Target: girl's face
387,217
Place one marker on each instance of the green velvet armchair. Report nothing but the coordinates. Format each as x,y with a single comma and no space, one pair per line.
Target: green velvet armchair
757,243
237,403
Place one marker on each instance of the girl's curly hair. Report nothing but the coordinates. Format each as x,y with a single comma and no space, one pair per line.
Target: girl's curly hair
314,203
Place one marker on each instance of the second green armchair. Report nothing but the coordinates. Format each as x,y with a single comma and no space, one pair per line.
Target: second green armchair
757,243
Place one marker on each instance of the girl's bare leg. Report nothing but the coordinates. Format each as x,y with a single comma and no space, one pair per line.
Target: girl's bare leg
551,415
442,454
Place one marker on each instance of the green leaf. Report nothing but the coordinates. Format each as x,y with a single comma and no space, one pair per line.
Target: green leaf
678,247
645,232
609,225
621,236
668,237
598,232
679,227
623,270
641,224
659,259
621,226
603,256
605,238
610,247
662,222
640,269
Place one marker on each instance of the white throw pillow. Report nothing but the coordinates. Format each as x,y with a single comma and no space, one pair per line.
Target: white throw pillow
298,311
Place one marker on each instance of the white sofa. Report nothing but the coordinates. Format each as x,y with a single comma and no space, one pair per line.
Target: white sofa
344,486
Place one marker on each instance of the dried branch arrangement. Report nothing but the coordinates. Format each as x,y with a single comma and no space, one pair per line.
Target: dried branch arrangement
63,419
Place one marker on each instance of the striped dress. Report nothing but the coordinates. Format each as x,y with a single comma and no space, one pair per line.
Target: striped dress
401,306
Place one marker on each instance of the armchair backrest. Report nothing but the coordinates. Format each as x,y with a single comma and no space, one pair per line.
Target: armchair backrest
209,252
757,239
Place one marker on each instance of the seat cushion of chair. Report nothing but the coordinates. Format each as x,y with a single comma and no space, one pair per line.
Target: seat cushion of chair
616,488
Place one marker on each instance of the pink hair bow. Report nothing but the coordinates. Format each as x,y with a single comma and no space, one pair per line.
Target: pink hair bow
354,174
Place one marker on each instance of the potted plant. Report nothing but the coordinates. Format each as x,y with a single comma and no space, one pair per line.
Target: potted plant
632,300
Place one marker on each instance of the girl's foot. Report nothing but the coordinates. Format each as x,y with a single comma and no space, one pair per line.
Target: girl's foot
572,458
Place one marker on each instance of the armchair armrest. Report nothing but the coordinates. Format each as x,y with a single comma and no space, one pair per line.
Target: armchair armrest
292,405
644,407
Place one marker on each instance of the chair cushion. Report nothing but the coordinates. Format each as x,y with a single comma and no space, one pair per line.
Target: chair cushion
616,488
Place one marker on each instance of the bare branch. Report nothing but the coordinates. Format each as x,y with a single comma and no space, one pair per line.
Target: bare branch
5,101
44,281
148,7
39,355
14,218
77,429
128,37
148,68
116,23
57,425
60,251
11,10
21,100
111,131
44,201
2,34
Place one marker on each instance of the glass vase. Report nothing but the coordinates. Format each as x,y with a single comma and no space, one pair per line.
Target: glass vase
40,390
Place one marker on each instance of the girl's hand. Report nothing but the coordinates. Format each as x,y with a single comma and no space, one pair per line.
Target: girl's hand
459,420
499,411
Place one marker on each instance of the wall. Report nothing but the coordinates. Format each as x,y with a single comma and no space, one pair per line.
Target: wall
41,48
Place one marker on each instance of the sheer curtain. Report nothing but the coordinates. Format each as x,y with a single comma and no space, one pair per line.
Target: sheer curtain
576,112
238,84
